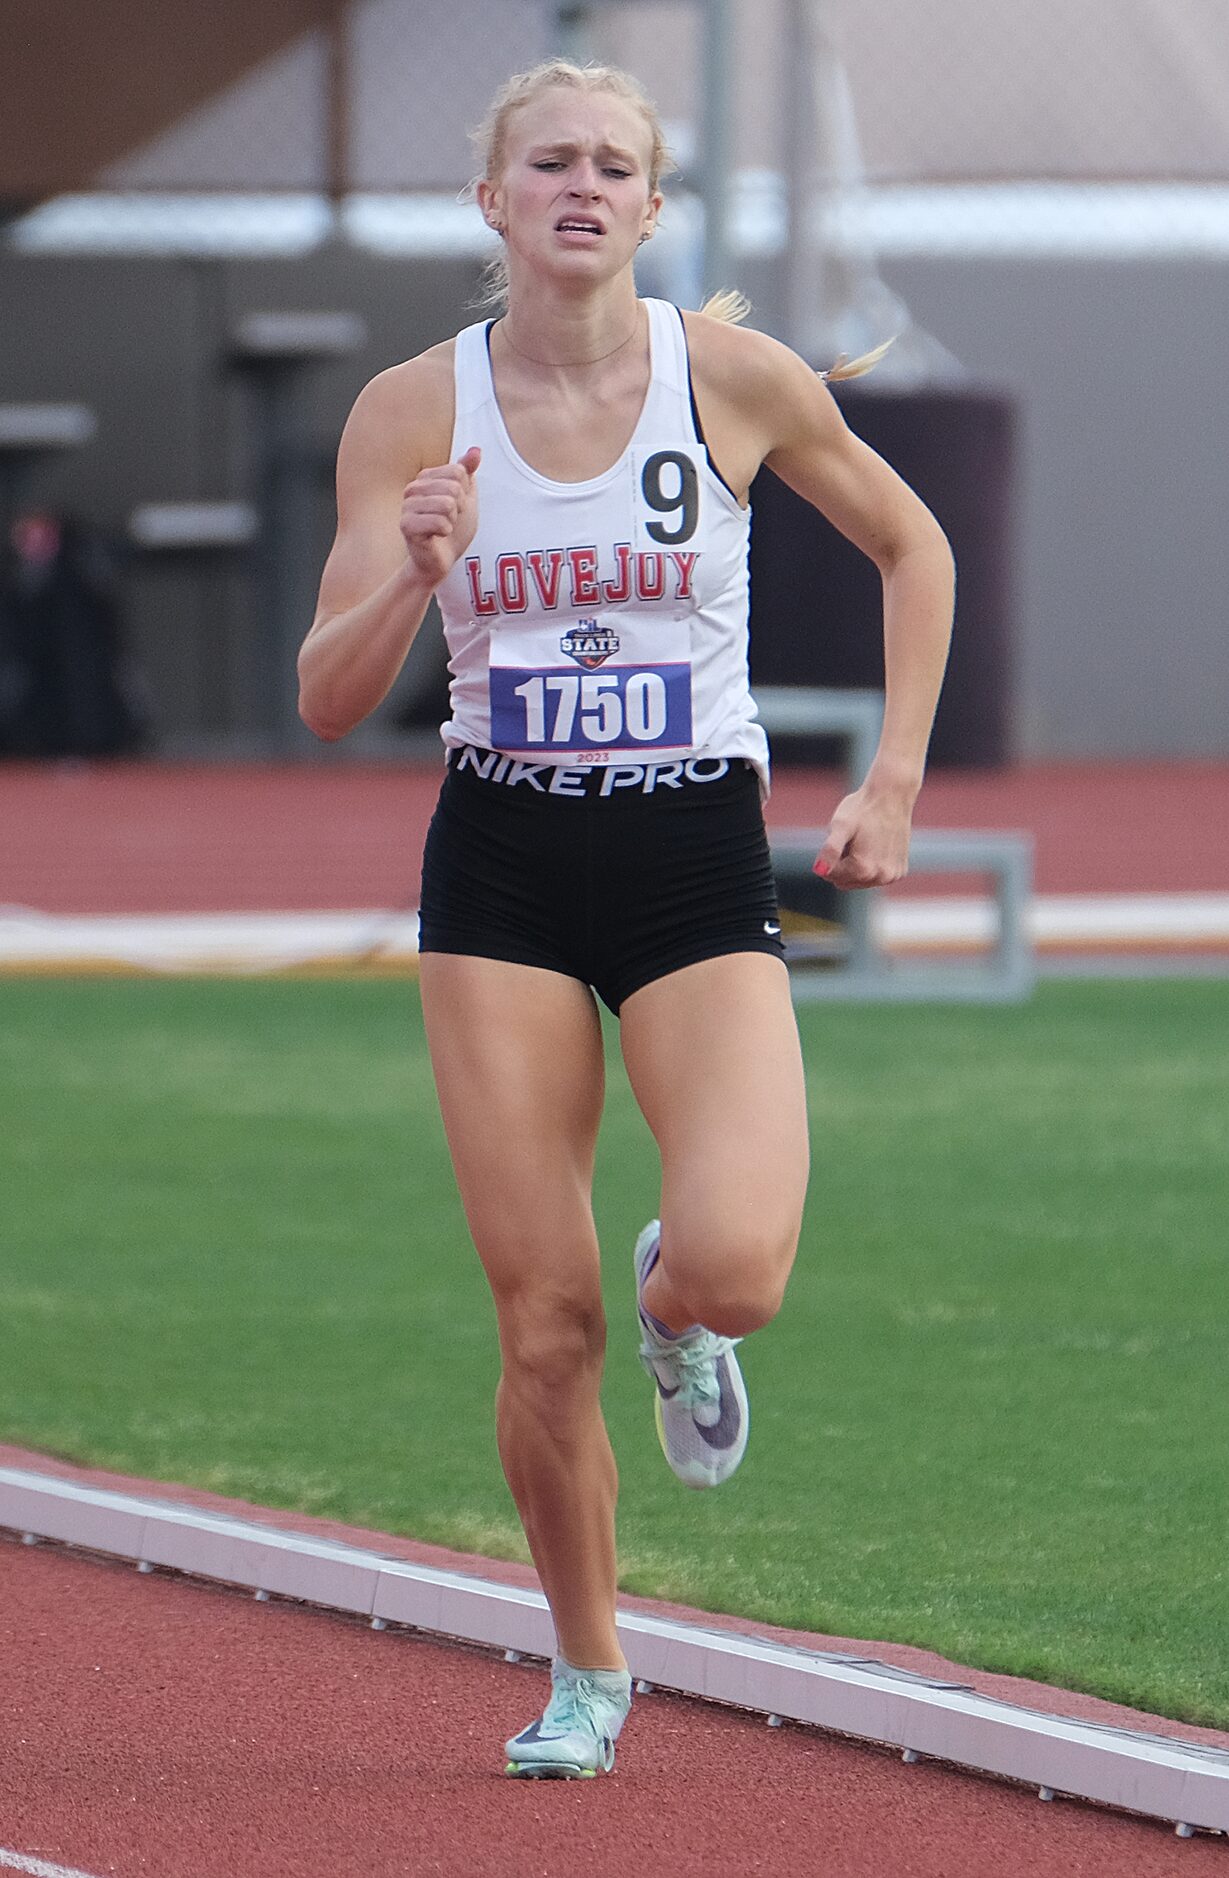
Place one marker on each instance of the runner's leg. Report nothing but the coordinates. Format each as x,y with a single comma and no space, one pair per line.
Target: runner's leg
517,1054
715,1063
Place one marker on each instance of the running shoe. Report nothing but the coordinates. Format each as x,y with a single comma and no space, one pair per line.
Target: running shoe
575,1738
701,1409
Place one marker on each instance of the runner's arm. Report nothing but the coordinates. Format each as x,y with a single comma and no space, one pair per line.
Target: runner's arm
763,404
815,452
373,593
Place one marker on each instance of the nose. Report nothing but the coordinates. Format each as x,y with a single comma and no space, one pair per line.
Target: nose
584,182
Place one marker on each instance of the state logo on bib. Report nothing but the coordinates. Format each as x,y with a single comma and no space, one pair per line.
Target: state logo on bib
594,692
590,644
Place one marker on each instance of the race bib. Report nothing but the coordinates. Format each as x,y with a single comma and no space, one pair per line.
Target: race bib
593,690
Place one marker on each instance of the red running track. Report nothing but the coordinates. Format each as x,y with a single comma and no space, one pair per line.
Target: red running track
154,1725
154,838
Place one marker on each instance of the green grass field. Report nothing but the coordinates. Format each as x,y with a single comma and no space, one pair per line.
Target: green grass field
991,1419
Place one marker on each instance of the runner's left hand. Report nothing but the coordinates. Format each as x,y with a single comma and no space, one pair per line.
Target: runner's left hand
868,840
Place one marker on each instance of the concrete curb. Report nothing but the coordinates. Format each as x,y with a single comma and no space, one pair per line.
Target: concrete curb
1180,1781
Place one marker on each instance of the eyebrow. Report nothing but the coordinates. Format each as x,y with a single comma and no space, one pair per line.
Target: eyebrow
564,147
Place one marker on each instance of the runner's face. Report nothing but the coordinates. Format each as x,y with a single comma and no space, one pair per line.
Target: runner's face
574,194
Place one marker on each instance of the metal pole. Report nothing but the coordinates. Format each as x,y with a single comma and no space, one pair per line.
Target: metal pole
573,37
716,113
797,80
339,93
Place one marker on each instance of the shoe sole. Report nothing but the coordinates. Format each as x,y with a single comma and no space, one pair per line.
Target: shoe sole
548,1770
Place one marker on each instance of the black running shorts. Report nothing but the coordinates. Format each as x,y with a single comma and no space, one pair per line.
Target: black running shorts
616,876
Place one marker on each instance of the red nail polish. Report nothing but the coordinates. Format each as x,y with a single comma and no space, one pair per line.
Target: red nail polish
822,869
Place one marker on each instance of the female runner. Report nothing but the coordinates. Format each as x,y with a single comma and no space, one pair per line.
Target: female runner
570,481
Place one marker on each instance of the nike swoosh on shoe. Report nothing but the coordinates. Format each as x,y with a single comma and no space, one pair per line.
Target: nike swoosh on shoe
724,1430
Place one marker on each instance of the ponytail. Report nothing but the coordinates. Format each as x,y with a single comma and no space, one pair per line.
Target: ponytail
730,305
727,304
856,368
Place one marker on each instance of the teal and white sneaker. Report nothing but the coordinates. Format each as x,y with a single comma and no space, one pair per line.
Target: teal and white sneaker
702,1411
575,1738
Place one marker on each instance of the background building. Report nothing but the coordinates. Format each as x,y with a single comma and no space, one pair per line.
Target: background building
1037,199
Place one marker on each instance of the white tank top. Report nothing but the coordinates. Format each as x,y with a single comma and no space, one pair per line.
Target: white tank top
604,621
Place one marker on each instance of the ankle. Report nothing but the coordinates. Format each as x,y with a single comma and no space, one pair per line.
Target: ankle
663,1331
603,1668
662,1308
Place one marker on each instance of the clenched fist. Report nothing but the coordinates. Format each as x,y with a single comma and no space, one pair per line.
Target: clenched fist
439,513
868,841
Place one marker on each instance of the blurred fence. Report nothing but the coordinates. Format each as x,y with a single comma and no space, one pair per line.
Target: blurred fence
374,98
1119,90
815,138
839,158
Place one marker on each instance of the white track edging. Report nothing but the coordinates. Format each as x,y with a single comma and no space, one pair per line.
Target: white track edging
1180,1781
259,942
37,1867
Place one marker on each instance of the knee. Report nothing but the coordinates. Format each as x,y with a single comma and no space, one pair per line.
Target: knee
551,1346
740,1309
731,1287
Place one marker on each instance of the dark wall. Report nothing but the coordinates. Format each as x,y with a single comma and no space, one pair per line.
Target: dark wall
817,601
143,342
1117,368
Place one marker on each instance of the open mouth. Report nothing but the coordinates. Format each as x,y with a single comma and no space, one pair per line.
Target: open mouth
579,225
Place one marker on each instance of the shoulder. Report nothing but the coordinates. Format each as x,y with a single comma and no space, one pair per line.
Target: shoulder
408,406
732,356
753,374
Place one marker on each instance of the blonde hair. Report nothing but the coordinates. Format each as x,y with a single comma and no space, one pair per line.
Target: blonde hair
491,136
732,306
857,368
727,304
